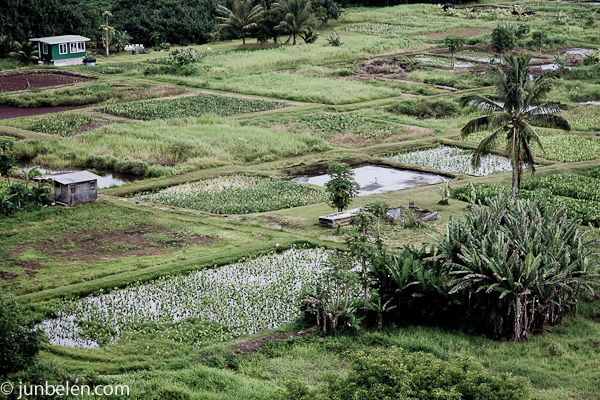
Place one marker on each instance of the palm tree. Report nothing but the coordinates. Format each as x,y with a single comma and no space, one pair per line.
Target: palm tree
241,18
296,16
26,52
7,45
520,108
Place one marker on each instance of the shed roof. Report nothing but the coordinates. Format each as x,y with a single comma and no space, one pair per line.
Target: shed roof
60,39
66,178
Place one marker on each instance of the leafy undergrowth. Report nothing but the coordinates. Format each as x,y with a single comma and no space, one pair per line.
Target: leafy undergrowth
237,194
166,362
558,146
190,107
62,125
587,211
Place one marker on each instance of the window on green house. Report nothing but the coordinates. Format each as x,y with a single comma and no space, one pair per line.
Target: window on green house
62,48
80,46
45,48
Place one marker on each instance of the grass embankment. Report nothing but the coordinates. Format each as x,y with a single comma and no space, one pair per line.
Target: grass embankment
57,252
226,371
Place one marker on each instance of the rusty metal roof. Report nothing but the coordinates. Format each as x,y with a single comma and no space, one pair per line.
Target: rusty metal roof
66,178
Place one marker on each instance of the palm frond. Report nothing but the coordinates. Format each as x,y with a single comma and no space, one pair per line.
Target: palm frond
486,123
549,121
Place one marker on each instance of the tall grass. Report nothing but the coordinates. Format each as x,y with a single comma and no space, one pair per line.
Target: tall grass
296,87
166,147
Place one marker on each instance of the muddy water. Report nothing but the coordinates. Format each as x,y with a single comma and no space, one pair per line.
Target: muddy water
7,112
374,179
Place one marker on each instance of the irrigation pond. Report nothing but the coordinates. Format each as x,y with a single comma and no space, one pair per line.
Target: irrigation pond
376,179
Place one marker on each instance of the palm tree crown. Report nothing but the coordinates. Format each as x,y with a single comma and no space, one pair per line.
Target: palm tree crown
520,108
26,52
241,18
296,16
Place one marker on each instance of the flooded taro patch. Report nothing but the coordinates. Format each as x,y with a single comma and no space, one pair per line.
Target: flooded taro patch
454,159
377,179
246,297
236,194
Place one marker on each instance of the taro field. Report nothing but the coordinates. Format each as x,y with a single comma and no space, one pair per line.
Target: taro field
246,297
558,146
237,194
454,159
190,107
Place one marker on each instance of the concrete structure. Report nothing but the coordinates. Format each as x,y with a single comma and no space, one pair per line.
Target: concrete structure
61,50
338,219
74,188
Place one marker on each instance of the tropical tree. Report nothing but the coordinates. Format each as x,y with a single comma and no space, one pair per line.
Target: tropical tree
26,52
108,32
7,45
241,18
453,43
7,163
296,16
520,108
121,39
341,187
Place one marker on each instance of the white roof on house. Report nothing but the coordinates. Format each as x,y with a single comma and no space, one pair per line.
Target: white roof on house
60,39
66,178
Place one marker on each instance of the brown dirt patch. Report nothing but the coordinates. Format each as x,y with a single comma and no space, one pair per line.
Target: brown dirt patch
4,275
91,126
249,346
13,83
383,136
92,245
461,32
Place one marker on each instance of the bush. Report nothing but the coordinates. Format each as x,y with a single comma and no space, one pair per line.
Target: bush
334,39
393,374
19,342
585,211
506,270
503,38
174,21
426,108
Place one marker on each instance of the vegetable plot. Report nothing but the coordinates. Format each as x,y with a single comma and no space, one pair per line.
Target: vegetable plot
190,107
237,194
454,159
246,297
559,146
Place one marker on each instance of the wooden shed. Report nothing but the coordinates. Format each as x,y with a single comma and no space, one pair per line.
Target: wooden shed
61,50
74,188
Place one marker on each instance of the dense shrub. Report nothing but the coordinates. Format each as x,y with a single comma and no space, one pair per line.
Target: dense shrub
16,196
426,108
393,374
19,342
506,270
24,19
586,211
152,22
568,185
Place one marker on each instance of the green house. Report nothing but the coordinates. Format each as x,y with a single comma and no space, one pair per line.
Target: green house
61,50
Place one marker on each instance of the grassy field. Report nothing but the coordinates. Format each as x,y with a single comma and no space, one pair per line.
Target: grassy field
167,147
216,148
